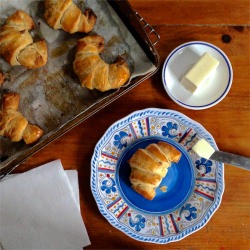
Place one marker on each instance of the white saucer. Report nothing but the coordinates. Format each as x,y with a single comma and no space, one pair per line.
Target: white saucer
180,60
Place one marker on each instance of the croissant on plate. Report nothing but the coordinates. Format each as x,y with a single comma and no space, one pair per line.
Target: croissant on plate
92,71
64,14
16,44
150,165
13,124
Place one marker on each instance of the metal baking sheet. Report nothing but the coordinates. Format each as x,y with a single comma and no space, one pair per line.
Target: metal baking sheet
51,96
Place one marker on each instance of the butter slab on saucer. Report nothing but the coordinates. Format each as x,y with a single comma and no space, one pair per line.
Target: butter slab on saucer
197,75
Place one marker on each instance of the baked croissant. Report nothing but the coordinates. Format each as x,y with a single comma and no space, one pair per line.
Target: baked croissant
93,71
150,165
13,124
64,14
16,43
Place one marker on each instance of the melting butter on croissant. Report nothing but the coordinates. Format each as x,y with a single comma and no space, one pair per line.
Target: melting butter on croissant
16,44
13,124
150,165
92,71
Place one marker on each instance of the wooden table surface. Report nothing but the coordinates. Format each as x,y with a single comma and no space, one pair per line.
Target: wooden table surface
226,24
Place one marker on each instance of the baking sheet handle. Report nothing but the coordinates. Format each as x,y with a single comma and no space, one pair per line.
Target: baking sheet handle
138,27
148,29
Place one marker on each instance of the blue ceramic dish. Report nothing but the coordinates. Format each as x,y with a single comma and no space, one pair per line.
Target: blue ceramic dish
179,181
194,186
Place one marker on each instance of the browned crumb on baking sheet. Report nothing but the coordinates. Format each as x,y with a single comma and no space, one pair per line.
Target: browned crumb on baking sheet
1,78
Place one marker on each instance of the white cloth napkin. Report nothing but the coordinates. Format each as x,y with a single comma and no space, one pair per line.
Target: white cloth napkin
39,209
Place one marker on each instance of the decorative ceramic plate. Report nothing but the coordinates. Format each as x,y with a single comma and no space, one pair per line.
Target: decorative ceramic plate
193,187
180,60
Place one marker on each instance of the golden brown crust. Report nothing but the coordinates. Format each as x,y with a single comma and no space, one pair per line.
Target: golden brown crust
13,124
139,176
32,133
93,71
66,15
147,192
150,165
173,153
141,159
10,101
20,21
16,41
34,55
155,151
11,47
54,11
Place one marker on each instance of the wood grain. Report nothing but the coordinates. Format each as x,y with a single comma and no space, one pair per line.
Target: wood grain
229,122
207,12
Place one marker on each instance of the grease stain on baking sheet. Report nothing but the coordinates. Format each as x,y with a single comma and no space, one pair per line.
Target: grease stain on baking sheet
62,49
30,80
58,93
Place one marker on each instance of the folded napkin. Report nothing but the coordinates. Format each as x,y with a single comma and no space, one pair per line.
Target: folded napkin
39,209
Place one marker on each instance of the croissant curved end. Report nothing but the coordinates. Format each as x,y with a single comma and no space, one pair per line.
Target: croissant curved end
92,71
66,15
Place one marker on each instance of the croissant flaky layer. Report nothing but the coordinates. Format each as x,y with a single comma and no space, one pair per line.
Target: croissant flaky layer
64,14
16,43
93,71
13,124
150,165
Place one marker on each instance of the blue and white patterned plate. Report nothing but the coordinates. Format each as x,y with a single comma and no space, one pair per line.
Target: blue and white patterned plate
188,203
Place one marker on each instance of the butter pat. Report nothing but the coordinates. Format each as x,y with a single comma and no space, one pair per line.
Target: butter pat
200,72
203,149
